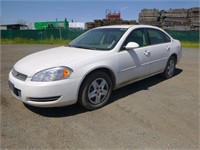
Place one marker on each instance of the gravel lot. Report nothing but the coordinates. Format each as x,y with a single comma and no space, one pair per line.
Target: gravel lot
152,114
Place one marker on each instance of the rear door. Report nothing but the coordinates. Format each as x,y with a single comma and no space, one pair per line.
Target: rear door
160,45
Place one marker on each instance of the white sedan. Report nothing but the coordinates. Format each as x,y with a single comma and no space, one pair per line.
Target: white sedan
94,64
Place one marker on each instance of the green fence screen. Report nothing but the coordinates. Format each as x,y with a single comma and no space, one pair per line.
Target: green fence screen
191,36
41,34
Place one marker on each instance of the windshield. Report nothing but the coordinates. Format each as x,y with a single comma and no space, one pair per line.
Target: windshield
99,39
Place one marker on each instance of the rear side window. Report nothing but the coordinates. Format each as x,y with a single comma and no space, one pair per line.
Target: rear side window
157,36
166,37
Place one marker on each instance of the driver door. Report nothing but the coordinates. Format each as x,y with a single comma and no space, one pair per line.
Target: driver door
134,63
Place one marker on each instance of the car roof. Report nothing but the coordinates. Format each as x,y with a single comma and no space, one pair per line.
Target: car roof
129,26
116,26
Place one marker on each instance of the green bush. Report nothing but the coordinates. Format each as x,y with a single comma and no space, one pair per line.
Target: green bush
190,44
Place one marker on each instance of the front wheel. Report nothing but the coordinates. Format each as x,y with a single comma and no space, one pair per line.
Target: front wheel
95,90
170,68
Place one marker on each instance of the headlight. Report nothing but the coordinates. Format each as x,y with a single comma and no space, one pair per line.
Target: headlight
52,74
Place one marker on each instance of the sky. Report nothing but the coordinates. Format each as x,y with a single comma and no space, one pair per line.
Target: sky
81,10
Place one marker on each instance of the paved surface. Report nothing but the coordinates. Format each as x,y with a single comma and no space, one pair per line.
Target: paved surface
153,113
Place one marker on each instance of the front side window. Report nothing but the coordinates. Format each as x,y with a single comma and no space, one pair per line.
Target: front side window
138,36
99,39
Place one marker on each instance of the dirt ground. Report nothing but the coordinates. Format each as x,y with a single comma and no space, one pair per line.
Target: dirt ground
150,114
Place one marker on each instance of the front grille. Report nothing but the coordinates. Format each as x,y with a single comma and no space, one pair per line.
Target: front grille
18,75
44,99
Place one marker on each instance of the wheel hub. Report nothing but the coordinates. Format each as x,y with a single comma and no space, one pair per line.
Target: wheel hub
98,91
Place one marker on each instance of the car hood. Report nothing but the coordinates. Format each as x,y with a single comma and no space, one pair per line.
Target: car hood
54,57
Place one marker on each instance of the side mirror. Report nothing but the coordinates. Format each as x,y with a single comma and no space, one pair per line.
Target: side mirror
131,45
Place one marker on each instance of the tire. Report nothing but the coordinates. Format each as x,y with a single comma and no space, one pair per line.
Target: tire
170,68
95,90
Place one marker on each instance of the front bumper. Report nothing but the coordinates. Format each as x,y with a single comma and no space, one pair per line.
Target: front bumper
45,94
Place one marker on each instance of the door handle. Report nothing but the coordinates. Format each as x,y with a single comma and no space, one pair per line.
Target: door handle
167,48
146,52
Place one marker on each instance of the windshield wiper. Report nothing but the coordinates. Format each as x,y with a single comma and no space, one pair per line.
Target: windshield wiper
74,46
84,47
79,47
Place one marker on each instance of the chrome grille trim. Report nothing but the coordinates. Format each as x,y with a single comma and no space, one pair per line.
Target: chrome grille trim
19,75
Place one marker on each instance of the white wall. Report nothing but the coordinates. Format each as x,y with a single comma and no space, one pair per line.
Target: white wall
77,25
3,28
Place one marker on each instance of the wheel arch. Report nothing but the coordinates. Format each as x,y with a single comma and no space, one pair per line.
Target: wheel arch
108,71
175,56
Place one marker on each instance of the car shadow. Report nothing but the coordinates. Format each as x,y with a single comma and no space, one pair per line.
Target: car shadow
116,95
57,111
139,86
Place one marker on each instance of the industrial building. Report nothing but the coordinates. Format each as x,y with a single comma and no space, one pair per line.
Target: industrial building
13,27
111,19
113,16
59,25
77,25
51,25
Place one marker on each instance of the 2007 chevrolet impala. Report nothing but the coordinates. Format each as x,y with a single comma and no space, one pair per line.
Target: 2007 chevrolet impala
92,65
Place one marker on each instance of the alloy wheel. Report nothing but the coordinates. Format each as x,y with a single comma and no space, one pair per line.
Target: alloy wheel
170,68
98,91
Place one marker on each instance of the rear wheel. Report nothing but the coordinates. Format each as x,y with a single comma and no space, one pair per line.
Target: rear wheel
170,68
95,90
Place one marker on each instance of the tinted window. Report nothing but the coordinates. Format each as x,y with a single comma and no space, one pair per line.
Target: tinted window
137,36
157,36
166,37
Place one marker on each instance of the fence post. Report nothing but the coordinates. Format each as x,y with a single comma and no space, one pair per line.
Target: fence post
60,33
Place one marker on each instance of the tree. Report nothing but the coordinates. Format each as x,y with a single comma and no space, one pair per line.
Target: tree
21,21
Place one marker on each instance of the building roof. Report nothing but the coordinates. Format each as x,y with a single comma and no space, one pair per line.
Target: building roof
14,25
